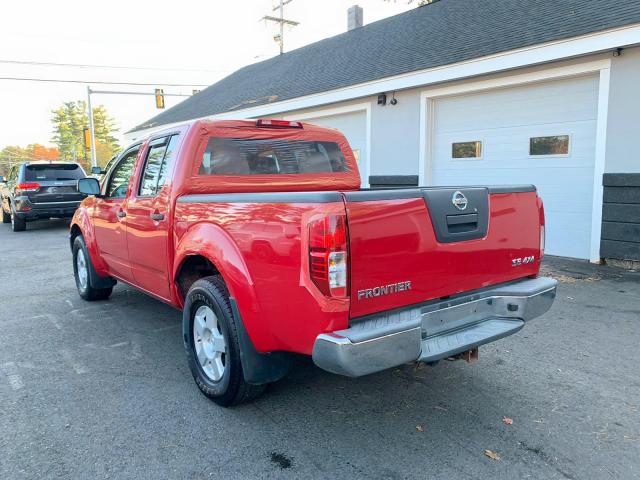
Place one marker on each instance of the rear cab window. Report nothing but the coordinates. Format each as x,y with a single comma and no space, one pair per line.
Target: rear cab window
246,156
53,172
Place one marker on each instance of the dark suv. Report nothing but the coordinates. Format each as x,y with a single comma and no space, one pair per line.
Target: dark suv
40,190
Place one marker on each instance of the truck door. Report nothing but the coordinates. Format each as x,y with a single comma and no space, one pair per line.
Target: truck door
148,219
110,213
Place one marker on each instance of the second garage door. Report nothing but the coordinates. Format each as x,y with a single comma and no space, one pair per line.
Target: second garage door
542,134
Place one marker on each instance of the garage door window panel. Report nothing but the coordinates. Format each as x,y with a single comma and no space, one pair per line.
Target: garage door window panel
550,146
470,150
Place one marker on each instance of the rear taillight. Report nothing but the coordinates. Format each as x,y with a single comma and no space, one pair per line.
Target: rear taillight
328,255
542,229
27,187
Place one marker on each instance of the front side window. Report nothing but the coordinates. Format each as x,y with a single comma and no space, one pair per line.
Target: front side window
241,156
156,164
551,145
466,149
110,163
119,179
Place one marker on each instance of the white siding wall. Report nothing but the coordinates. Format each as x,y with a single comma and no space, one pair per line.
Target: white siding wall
395,135
623,126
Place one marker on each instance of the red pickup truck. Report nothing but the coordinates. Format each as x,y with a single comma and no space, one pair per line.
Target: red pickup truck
260,233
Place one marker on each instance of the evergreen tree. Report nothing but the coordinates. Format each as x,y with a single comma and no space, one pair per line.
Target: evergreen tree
69,122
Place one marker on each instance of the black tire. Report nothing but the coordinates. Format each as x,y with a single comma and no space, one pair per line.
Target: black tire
231,389
86,291
6,217
18,224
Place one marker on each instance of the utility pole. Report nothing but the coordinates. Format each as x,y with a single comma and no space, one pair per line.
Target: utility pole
281,21
94,158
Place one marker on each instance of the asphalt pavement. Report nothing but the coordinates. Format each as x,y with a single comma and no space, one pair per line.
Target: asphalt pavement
102,390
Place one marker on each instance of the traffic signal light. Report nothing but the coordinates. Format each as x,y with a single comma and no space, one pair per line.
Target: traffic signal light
159,98
87,138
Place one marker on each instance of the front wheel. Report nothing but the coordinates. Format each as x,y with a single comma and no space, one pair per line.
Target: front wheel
81,266
211,341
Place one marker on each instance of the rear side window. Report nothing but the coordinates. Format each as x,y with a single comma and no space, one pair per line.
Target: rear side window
52,172
241,156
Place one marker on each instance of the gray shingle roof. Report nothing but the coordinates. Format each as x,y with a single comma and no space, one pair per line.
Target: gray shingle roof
442,33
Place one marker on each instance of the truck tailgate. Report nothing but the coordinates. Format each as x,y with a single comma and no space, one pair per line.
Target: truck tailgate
410,246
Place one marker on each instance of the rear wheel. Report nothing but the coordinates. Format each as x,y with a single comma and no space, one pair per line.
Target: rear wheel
81,266
18,224
211,342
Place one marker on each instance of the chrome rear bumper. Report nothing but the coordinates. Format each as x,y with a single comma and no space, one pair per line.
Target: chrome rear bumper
435,330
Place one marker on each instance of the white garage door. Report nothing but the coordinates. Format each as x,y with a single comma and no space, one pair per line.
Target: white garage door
353,126
542,134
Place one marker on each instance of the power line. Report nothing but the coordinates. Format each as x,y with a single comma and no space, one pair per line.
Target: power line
82,65
110,92
102,82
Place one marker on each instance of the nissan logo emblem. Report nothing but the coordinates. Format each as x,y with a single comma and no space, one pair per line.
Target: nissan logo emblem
459,200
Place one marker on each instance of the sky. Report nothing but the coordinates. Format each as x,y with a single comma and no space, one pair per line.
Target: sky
190,43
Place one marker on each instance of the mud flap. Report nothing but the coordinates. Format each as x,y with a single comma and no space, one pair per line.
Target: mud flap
258,368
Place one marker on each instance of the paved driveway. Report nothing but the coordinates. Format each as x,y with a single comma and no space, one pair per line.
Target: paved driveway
102,390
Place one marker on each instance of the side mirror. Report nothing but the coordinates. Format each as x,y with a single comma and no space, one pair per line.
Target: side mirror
97,171
89,186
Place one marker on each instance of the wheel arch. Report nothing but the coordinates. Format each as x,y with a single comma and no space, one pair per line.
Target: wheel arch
211,250
81,224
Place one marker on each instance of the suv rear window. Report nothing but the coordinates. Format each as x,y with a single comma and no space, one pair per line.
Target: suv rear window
53,172
241,156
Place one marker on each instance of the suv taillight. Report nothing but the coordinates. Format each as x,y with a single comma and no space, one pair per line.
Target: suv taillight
328,255
27,187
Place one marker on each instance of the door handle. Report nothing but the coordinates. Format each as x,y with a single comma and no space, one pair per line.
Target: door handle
121,214
157,217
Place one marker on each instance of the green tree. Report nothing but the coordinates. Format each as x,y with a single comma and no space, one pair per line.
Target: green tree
69,122
11,155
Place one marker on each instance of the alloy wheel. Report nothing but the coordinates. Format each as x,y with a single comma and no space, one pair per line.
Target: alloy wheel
209,342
